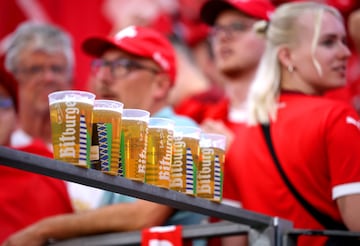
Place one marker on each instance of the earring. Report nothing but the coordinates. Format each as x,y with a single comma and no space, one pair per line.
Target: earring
290,68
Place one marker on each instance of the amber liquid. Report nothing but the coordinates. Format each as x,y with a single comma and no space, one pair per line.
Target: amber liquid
159,156
133,155
105,147
71,131
184,165
210,174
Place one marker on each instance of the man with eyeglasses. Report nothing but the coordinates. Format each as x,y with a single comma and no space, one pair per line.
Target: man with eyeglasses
237,49
136,66
41,59
39,56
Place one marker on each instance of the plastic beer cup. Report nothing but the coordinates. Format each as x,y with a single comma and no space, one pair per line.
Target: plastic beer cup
71,119
211,166
134,143
185,159
159,152
106,136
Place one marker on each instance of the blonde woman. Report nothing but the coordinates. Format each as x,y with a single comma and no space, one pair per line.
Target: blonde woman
316,140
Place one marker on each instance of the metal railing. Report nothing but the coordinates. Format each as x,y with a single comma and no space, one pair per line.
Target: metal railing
268,230
134,237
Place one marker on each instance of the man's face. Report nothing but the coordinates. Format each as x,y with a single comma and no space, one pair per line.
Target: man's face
40,73
125,78
236,46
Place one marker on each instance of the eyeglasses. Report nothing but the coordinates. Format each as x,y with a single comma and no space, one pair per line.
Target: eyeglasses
119,68
6,103
37,71
230,30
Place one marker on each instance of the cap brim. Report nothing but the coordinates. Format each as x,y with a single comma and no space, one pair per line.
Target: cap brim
96,46
211,9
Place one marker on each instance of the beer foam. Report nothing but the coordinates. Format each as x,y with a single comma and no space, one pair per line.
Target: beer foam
109,105
135,118
187,131
72,99
136,114
160,127
116,110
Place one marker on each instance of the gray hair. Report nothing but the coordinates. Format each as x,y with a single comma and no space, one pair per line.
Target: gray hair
39,36
282,30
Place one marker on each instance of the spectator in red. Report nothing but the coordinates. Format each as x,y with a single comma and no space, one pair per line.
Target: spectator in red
31,197
237,49
316,140
351,92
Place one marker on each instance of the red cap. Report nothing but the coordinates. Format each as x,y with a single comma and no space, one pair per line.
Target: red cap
139,41
259,9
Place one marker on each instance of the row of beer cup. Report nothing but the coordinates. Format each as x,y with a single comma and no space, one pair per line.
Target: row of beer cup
102,135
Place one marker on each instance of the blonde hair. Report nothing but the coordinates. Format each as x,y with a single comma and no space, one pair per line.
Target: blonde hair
281,30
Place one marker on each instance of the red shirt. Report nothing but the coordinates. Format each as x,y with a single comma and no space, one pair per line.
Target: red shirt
196,106
317,141
27,197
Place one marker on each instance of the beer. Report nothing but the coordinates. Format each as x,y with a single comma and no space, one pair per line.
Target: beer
105,147
210,173
184,164
133,152
71,118
159,153
211,166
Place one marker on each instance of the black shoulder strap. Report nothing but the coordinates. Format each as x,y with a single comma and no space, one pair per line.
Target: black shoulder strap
326,221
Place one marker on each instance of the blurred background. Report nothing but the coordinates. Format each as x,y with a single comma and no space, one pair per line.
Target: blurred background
83,18
175,18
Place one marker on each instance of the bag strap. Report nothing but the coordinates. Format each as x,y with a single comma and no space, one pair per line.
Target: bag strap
325,220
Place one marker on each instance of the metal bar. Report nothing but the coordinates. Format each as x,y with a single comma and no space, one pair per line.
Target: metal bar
337,233
94,178
291,236
134,238
281,227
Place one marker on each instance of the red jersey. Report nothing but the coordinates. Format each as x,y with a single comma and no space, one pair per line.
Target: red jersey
27,197
317,141
196,106
221,111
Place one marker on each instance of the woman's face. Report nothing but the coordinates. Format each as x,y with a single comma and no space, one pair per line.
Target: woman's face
7,116
320,66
